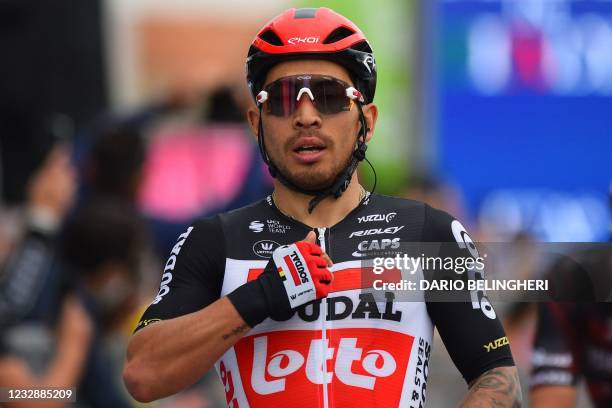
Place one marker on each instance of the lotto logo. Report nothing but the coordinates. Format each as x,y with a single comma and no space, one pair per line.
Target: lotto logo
367,365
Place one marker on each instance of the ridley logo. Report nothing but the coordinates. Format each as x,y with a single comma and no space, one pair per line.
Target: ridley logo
256,226
303,40
265,248
376,231
377,217
278,362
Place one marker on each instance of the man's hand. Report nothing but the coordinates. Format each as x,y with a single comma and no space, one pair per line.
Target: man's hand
558,396
75,325
303,270
74,335
498,387
53,187
296,274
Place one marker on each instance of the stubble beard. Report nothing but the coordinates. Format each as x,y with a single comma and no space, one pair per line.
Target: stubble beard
317,176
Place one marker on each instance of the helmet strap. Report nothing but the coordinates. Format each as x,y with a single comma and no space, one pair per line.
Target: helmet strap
343,179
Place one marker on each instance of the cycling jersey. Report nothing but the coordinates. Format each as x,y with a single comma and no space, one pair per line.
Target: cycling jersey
348,349
574,339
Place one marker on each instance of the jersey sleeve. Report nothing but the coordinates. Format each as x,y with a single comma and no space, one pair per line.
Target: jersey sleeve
553,359
193,274
467,323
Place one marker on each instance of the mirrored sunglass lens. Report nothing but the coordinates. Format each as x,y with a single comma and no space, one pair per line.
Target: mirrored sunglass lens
330,96
279,99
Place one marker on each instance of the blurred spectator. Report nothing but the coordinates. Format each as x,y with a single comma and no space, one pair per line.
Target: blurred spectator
437,193
175,171
101,249
51,313
573,341
72,344
28,270
113,168
29,283
201,168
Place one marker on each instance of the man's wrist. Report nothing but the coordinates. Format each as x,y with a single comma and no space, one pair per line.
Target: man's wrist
250,302
43,220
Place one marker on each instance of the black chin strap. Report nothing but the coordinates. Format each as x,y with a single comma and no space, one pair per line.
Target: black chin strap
341,182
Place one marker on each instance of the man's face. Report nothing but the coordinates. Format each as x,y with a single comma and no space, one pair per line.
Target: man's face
290,140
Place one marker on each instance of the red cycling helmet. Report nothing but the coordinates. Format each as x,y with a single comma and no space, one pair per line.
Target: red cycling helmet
312,33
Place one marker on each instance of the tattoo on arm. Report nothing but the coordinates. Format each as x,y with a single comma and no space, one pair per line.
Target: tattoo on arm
235,331
498,387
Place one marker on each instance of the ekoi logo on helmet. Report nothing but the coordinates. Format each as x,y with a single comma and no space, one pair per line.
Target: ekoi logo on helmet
303,40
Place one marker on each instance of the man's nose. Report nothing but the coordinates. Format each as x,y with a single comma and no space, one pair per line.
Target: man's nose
306,114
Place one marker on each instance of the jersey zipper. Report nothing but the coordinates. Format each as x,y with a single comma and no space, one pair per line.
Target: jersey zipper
323,313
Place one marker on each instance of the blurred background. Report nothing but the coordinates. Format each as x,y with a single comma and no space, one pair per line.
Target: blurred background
121,121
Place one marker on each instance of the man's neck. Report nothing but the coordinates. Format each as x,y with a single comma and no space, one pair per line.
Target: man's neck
327,213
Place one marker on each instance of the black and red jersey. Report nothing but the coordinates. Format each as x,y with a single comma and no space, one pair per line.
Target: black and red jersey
573,340
352,347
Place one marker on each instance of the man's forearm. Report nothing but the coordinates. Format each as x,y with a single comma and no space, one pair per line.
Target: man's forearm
498,387
168,356
67,366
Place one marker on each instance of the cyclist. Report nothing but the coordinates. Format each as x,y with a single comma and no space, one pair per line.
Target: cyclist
255,292
573,340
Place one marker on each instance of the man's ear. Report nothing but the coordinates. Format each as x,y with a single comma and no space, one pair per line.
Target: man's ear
370,113
253,119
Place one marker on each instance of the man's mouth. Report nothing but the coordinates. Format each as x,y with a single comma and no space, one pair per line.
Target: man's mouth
308,144
309,150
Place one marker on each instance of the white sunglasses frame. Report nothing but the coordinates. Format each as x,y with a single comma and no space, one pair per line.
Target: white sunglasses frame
351,93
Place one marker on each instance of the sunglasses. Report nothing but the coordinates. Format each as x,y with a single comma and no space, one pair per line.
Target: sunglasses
329,95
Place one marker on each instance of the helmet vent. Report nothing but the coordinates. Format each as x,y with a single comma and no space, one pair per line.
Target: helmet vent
362,46
338,34
305,13
270,36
